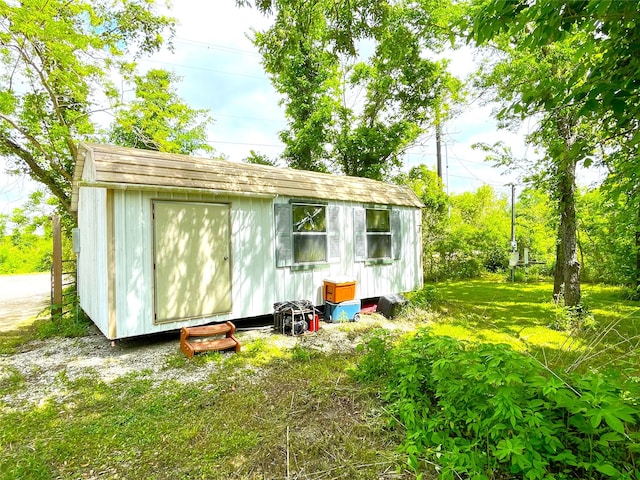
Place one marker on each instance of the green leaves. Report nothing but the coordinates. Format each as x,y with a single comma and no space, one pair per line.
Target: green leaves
56,62
483,409
348,114
159,120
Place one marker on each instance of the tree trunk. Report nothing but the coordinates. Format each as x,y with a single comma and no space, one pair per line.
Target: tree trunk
558,272
569,236
638,250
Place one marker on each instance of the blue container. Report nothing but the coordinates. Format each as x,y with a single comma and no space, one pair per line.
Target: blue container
342,312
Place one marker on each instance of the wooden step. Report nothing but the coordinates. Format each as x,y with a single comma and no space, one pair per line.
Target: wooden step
210,339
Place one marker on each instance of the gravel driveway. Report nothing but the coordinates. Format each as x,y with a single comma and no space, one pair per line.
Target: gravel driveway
22,296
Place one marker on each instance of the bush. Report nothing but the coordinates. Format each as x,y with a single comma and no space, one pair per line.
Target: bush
497,260
423,298
487,411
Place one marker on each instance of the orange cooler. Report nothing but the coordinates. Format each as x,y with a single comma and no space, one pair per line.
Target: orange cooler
339,289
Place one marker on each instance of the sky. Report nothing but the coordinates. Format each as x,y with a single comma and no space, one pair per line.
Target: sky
221,72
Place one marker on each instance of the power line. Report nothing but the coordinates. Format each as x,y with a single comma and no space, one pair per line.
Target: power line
246,143
193,67
215,46
272,120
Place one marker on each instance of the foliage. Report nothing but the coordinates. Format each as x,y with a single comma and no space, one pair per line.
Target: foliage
428,187
25,237
350,110
158,119
536,225
70,324
477,410
574,319
257,158
477,236
606,236
56,65
424,298
603,83
578,64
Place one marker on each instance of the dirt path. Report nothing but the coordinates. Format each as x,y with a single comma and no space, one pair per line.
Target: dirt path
21,297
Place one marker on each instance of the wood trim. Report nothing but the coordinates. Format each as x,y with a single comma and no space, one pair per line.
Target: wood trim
111,268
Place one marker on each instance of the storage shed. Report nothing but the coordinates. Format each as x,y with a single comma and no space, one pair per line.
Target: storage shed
166,240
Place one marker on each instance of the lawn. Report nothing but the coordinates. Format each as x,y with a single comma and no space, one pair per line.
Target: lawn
273,411
520,315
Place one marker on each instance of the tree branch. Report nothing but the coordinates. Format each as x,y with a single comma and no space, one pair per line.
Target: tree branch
38,172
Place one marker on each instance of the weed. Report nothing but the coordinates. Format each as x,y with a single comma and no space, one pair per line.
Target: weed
480,409
11,380
573,319
425,297
307,410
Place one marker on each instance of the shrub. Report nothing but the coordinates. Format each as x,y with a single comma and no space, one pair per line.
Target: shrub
487,411
423,298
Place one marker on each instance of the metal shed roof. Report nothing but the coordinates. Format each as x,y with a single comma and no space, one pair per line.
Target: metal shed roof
129,168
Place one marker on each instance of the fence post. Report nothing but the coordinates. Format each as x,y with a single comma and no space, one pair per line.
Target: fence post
56,278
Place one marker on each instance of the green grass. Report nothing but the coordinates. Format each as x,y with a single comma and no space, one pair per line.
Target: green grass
42,327
269,402
520,314
243,422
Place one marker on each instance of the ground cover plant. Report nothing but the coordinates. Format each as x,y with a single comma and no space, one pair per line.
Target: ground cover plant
271,411
493,390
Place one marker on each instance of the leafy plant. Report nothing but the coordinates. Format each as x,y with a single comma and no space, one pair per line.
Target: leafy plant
485,410
425,297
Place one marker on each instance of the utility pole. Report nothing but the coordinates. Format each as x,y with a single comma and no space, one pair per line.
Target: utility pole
438,142
439,148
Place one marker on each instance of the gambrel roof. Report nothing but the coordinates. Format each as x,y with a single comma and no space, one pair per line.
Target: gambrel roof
129,168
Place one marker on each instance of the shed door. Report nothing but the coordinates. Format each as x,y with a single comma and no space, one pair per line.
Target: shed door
192,264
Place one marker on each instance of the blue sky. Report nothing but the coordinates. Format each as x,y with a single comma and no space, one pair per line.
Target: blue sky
221,72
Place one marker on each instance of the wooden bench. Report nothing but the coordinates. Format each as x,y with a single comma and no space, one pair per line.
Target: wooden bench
210,339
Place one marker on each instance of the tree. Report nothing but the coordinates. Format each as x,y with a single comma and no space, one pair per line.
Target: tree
25,237
57,58
530,83
478,234
598,89
348,112
536,225
429,189
257,158
297,53
159,120
605,63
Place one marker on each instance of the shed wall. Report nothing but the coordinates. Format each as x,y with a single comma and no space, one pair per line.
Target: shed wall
92,259
256,282
371,280
251,257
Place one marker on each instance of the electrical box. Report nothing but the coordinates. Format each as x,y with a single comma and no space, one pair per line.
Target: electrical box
75,234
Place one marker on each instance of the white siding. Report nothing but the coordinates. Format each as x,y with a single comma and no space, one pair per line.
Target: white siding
371,280
256,282
251,256
92,259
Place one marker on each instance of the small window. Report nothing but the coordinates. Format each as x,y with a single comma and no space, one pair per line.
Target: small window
309,234
378,234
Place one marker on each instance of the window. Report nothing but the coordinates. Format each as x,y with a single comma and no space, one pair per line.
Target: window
309,234
378,234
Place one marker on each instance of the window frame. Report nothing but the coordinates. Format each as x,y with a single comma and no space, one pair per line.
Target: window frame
376,233
299,234
362,234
